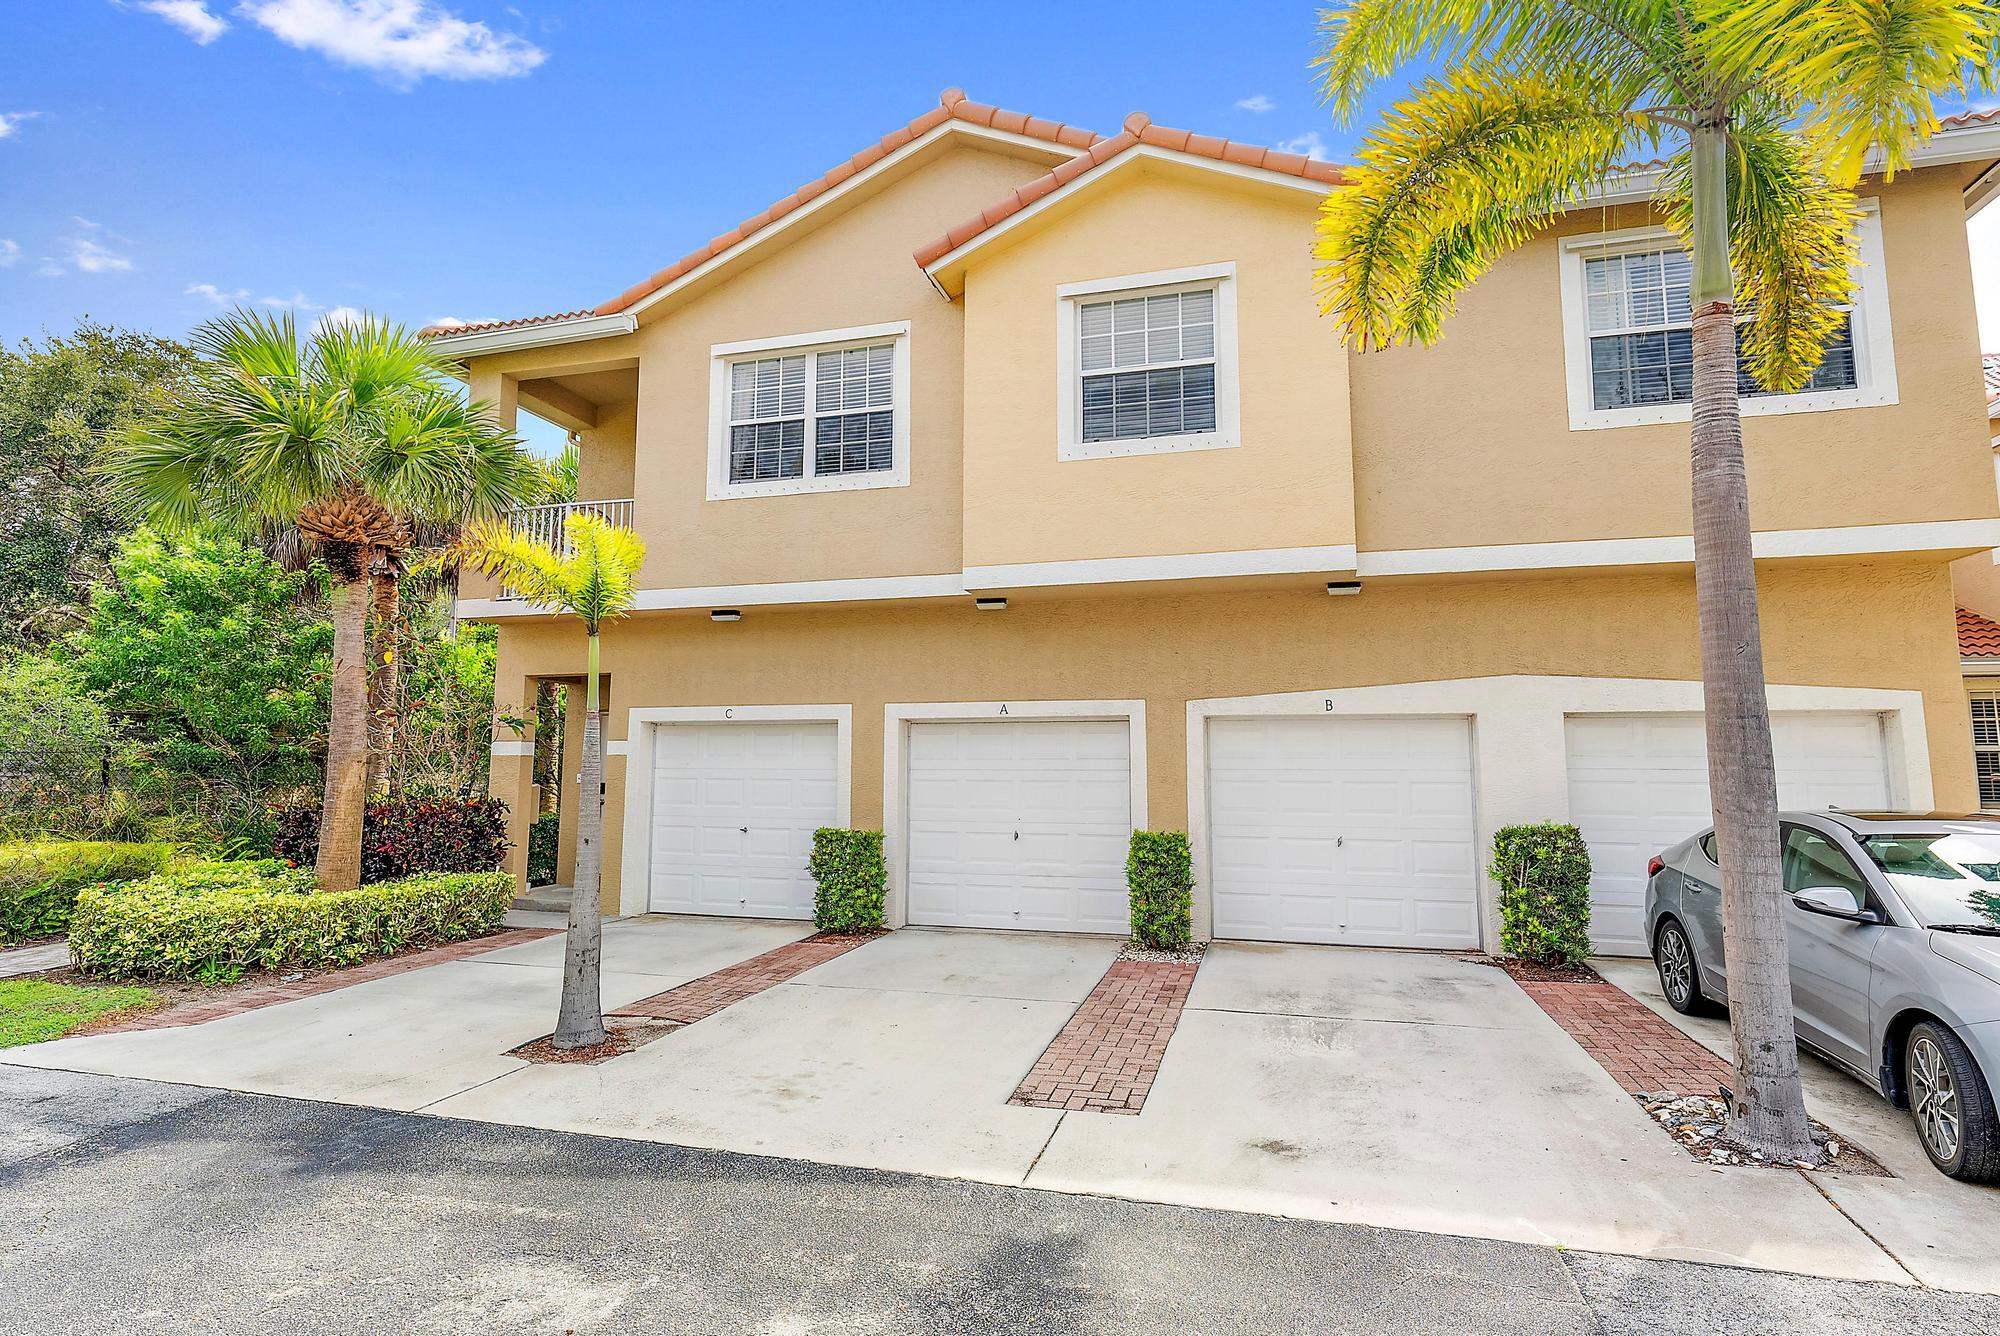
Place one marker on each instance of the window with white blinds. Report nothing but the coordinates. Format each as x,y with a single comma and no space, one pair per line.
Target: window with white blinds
1148,364
811,418
1629,337
1986,747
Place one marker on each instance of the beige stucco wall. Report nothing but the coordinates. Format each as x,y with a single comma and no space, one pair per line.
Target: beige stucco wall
1289,484
1467,442
1884,626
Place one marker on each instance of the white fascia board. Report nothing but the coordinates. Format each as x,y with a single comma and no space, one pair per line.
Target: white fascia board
547,334
1856,540
1336,559
1970,667
1964,144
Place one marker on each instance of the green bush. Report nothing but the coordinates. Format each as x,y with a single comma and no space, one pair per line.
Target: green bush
1544,876
1160,875
210,923
542,838
853,881
39,879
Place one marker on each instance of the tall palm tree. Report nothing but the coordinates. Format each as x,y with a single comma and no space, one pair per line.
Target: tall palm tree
593,576
1766,111
351,437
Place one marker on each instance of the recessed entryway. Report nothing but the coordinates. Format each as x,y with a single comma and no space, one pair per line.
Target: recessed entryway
1018,823
1638,783
1346,830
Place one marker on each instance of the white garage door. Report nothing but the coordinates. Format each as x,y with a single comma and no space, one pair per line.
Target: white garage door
734,810
1639,783
1357,831
1020,824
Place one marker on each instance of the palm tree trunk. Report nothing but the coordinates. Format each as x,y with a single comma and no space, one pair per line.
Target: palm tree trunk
1768,1110
345,801
384,668
580,1022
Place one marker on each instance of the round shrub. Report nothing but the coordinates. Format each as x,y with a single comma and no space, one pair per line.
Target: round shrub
402,836
1544,876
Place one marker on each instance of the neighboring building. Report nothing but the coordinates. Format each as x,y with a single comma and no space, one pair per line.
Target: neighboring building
996,358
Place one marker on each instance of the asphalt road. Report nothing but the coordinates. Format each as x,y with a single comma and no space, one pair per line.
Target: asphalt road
134,1206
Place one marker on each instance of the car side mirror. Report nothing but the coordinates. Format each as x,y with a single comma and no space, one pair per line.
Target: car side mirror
1834,902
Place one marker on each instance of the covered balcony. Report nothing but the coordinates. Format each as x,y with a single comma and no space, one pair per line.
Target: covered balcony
549,524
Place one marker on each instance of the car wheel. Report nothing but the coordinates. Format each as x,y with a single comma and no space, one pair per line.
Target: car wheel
1679,979
1951,1105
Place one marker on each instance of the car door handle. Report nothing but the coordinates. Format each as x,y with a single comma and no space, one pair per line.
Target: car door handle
1691,885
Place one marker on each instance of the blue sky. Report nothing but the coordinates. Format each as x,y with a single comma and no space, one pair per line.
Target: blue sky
161,159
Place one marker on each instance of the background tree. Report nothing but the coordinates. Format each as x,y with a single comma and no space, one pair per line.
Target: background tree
59,519
594,578
1766,111
350,436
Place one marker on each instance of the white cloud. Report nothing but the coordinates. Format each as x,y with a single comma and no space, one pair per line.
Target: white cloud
192,17
10,251
404,40
1256,102
9,120
338,317
447,322
88,250
1308,144
210,293
1983,234
298,301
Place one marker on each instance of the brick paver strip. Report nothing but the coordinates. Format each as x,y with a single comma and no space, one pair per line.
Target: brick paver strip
236,1001
1643,1052
703,997
1108,1055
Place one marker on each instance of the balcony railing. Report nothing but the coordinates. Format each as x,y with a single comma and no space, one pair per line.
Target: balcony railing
547,524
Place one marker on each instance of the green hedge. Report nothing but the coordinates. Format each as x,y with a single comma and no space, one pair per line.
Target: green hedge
39,879
1160,875
211,923
542,839
853,881
1544,876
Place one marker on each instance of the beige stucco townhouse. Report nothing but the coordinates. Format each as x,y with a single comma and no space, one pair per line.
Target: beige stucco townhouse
1004,489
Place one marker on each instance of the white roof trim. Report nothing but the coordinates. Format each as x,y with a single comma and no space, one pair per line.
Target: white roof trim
1137,153
541,335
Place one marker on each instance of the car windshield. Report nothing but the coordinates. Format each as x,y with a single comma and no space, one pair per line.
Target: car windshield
1945,879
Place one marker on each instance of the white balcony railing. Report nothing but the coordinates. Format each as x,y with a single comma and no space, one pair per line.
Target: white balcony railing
547,523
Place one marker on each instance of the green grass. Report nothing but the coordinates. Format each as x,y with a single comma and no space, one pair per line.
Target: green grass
32,1010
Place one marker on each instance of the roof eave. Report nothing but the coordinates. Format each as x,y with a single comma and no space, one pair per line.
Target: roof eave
546,334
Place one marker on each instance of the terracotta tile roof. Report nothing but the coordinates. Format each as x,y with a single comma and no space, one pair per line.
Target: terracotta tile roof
515,323
1991,116
1139,129
953,105
1978,638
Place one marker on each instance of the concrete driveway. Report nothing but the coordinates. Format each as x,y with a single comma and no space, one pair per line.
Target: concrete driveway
1389,1088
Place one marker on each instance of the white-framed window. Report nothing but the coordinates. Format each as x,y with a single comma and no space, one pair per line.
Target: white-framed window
1986,747
820,412
1147,363
1628,345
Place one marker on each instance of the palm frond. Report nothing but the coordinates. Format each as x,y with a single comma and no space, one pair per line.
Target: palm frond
1791,231
595,580
1454,177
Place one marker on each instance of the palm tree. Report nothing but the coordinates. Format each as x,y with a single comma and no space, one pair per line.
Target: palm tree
593,577
1766,113
351,437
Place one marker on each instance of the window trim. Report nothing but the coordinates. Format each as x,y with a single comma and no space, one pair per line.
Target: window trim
1874,345
721,356
1070,298
1972,697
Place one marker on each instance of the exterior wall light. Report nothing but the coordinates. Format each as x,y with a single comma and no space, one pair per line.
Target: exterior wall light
1343,586
990,604
725,615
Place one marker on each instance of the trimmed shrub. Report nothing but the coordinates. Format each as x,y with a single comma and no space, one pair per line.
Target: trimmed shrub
542,840
1544,876
853,881
210,923
404,836
1159,872
39,879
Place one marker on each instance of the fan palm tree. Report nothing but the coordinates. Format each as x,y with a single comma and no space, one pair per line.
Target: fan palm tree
593,577
351,437
1767,111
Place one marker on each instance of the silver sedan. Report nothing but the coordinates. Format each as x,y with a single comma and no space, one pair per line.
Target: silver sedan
1894,924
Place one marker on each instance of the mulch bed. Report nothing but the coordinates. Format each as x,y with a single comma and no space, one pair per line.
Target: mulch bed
1190,954
622,1035
1699,1125
1527,971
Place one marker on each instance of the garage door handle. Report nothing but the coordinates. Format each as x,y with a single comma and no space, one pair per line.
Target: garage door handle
744,829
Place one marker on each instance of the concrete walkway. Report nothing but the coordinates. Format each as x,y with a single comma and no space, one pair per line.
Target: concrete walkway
1397,1089
23,960
159,1208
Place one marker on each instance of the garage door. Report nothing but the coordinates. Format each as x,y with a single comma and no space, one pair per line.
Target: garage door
1020,824
1639,783
734,810
1347,830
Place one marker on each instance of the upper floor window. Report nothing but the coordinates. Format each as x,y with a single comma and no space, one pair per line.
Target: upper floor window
1148,363
811,412
1630,342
